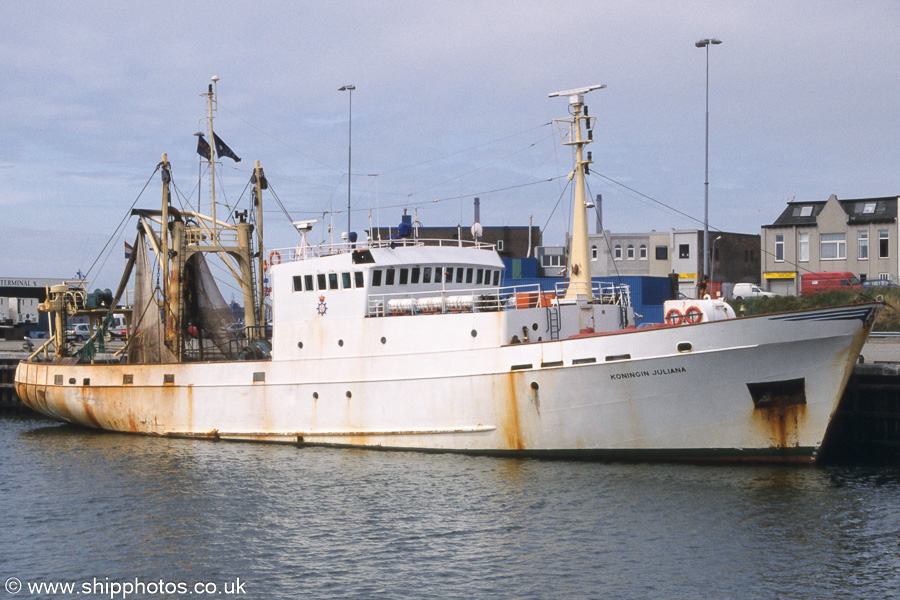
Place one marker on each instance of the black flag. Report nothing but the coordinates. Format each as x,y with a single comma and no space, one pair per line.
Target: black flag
202,146
223,150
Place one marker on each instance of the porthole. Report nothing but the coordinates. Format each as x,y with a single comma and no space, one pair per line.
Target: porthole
340,342
534,326
685,347
300,344
349,395
315,395
534,385
384,340
474,333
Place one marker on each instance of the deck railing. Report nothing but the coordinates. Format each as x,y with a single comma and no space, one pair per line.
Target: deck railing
306,252
487,299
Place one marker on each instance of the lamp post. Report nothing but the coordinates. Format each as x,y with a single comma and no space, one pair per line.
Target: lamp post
349,88
705,43
712,279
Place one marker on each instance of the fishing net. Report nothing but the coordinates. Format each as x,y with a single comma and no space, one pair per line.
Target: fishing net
207,311
148,342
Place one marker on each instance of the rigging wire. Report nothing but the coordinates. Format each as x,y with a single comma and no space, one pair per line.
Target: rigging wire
280,204
653,200
618,275
762,250
283,143
116,233
439,200
555,206
482,145
502,158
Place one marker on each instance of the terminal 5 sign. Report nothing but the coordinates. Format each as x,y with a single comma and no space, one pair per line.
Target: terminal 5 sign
27,282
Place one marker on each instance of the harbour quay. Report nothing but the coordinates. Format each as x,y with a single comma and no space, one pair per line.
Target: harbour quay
866,428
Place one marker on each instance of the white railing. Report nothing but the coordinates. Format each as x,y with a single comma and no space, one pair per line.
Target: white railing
486,299
306,252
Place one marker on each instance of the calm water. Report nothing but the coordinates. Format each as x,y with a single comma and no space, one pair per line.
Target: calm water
102,510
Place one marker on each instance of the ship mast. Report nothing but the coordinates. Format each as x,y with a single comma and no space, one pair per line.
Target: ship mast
212,106
579,264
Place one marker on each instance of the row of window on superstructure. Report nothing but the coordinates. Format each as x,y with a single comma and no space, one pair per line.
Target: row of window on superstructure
329,281
397,276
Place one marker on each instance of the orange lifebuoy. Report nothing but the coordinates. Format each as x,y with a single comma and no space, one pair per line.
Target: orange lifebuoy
693,315
274,257
674,316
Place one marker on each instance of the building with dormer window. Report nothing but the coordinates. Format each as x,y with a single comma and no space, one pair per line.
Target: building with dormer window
858,236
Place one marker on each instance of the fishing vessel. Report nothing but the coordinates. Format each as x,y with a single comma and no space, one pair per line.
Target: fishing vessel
416,344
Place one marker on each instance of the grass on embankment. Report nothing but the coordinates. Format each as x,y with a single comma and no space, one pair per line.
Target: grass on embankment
888,320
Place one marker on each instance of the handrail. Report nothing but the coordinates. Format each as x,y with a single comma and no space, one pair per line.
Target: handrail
306,252
485,299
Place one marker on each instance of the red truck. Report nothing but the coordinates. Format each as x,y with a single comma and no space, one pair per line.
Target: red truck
813,283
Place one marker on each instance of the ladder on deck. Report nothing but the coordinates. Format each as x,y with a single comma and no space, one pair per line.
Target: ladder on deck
553,321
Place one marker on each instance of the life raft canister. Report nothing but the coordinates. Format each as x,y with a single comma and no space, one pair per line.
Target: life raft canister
674,316
693,315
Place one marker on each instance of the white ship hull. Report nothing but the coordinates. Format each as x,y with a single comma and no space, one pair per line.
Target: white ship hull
759,388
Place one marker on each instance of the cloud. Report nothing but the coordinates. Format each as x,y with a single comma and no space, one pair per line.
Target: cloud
800,105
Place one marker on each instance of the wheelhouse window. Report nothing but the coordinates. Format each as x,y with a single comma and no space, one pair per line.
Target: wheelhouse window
358,279
322,281
479,276
779,247
415,273
426,275
459,274
376,278
345,280
833,246
469,275
438,274
496,278
884,243
389,276
298,283
333,281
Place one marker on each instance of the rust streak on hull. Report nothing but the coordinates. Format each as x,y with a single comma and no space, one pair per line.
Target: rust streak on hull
511,425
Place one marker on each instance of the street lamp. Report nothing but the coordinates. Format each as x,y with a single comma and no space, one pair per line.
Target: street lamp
712,279
349,88
705,44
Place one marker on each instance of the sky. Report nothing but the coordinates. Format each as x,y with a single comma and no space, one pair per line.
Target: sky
451,103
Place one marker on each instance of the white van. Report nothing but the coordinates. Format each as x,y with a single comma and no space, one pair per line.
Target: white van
749,290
